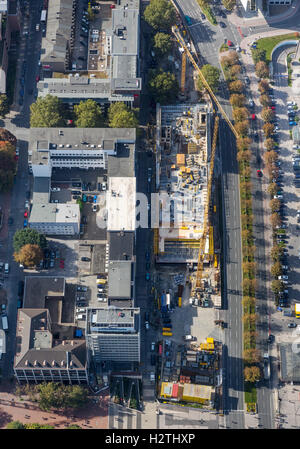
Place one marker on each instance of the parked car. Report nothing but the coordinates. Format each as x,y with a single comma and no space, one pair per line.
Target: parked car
292,325
81,288
85,259
25,223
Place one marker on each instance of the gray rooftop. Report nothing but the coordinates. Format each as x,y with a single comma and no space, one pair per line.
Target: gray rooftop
123,164
41,189
121,245
38,289
59,23
289,362
35,347
54,213
125,27
119,279
113,320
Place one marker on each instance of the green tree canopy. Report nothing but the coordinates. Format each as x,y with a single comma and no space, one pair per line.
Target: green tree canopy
258,55
15,425
212,76
88,114
261,69
58,396
162,43
46,112
4,105
163,86
229,4
120,116
160,14
28,236
35,425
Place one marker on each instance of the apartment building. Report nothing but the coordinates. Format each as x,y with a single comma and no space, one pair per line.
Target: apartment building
113,334
55,219
41,358
58,43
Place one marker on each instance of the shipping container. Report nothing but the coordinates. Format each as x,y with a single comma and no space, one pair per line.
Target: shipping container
167,334
167,329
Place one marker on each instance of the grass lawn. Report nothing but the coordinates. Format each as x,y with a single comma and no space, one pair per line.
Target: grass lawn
208,12
268,43
250,393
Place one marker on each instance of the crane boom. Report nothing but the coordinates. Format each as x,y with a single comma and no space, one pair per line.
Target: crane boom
206,221
180,39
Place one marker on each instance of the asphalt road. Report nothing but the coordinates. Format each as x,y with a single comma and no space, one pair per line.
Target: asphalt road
19,127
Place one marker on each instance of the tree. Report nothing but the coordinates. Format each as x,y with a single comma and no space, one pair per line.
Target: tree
163,86
4,105
236,86
29,255
267,115
252,355
252,373
240,114
272,188
248,302
212,76
88,114
244,156
276,252
162,43
249,287
57,396
235,70
74,426
265,100
15,425
243,143
28,236
275,205
229,4
46,112
276,269
249,337
277,286
268,129
270,144
35,425
263,86
275,220
242,128
7,136
237,100
160,14
258,55
119,116
261,69
270,157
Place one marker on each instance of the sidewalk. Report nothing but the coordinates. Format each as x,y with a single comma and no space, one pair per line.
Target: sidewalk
262,20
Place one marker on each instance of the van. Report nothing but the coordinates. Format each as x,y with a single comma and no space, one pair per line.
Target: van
81,317
188,338
6,268
80,310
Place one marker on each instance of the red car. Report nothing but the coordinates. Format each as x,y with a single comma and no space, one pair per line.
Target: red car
230,44
253,116
259,173
37,78
25,214
112,6
272,107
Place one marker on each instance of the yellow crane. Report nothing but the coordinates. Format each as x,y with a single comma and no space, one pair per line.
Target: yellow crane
183,70
197,284
181,41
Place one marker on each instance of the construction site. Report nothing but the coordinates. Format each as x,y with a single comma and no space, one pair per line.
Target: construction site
187,243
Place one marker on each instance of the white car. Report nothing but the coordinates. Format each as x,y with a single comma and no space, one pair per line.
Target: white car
103,186
17,151
285,267
26,204
291,103
95,208
283,277
279,197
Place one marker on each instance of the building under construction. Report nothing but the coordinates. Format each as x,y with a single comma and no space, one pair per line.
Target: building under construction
183,150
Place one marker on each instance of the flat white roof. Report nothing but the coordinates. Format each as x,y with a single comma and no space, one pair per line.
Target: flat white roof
121,201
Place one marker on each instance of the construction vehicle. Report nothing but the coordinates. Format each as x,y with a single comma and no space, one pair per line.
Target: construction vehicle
185,48
297,310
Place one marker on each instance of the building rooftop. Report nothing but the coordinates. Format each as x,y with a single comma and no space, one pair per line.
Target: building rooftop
121,245
41,189
113,320
39,288
289,362
119,279
54,213
59,24
35,346
121,203
123,163
125,31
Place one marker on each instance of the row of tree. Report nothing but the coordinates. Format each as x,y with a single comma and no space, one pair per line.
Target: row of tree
50,112
8,159
232,69
34,425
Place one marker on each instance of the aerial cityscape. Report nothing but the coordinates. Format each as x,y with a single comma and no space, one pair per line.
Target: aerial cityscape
149,216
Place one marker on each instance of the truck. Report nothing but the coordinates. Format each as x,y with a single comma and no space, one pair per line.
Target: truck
267,370
297,310
4,322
